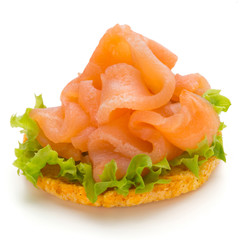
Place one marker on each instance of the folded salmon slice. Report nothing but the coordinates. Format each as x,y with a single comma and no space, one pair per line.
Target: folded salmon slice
192,82
60,124
123,87
196,120
114,141
127,101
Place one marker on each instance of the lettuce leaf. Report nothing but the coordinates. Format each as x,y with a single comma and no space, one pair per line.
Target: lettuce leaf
39,102
203,150
32,164
133,177
192,164
218,147
219,102
29,126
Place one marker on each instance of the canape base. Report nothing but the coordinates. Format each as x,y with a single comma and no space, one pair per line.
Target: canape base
182,181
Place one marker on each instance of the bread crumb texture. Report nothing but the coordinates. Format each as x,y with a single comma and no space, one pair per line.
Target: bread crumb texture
182,181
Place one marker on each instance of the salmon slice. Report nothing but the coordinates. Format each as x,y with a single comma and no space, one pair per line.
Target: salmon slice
60,124
65,150
123,87
114,141
196,120
192,82
121,45
161,146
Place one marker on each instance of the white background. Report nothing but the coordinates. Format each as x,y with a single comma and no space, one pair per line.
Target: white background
44,44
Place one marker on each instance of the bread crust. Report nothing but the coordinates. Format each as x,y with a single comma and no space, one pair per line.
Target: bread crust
182,181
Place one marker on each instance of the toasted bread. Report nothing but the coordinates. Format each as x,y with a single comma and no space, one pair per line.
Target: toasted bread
182,181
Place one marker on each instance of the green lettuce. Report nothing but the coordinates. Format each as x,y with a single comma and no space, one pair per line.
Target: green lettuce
39,102
220,103
33,166
29,126
133,177
32,158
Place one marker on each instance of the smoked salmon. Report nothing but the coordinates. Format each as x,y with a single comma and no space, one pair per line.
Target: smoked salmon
127,101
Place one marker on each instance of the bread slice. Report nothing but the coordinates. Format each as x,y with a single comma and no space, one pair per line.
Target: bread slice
182,181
